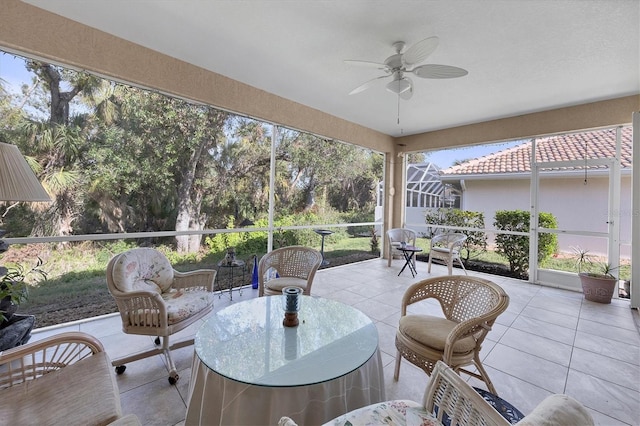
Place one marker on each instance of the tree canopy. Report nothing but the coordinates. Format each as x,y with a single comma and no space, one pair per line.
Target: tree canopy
117,158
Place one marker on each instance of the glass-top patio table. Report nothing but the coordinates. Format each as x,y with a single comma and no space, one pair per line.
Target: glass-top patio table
250,369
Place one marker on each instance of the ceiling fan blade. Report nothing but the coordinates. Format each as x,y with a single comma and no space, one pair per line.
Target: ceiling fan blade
366,64
439,71
366,85
419,51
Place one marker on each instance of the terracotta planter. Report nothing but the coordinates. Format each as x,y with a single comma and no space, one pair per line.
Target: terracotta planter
597,288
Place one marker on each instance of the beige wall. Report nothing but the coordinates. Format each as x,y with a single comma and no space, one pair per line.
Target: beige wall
579,117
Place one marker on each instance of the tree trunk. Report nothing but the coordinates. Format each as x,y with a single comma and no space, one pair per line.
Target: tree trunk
190,201
63,207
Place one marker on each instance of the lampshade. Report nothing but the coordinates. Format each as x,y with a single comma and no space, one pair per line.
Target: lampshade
17,180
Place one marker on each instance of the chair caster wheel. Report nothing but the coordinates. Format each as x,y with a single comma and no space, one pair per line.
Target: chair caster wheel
173,379
120,369
157,341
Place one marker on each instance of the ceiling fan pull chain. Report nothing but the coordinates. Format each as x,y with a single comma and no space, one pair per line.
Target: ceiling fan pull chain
398,110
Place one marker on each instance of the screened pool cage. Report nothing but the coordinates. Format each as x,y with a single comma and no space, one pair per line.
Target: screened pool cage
425,189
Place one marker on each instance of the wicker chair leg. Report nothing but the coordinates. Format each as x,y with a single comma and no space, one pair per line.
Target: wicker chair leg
463,268
484,376
396,372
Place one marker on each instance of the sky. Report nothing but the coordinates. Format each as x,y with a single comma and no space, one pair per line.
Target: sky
446,158
13,72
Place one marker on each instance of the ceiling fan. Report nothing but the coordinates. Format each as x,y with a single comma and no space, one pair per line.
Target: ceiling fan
401,63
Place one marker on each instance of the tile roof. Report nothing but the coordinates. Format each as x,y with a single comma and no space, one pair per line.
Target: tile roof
598,144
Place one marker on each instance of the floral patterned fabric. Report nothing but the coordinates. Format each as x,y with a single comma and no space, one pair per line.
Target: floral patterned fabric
142,269
182,304
146,269
396,413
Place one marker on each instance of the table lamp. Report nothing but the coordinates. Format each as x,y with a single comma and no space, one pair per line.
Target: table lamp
17,180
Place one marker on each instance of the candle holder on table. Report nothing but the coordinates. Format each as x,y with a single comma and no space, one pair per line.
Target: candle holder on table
291,304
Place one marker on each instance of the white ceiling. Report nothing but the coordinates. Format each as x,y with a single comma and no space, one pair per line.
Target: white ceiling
522,55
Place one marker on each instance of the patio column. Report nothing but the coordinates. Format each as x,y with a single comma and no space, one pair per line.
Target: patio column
395,194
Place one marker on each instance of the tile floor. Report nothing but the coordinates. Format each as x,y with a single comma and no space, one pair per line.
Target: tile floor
548,341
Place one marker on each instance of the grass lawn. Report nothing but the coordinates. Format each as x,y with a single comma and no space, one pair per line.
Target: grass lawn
76,286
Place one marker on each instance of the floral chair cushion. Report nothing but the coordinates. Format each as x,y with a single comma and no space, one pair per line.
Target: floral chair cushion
397,413
142,269
182,304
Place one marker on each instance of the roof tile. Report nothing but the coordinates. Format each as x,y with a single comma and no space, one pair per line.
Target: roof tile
567,147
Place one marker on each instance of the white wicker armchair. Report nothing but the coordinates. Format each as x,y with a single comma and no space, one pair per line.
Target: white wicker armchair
446,247
61,379
449,400
395,238
294,265
156,300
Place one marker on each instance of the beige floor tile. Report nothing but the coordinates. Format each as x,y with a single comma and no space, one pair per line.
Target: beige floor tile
567,321
155,403
525,354
612,370
542,347
530,368
545,329
603,329
615,349
604,397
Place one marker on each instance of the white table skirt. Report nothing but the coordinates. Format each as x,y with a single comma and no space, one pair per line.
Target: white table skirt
216,400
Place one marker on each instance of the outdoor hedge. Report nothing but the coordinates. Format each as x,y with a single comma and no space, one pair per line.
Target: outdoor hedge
516,247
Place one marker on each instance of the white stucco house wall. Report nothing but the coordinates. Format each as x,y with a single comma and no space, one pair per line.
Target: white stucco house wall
501,181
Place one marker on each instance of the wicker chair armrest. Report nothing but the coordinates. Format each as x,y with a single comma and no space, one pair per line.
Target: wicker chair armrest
477,327
200,279
133,303
30,361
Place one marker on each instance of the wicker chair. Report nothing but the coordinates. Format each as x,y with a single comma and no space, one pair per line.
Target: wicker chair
397,236
294,266
470,306
447,247
156,300
61,379
449,400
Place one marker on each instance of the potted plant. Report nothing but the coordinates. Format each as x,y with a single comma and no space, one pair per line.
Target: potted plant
15,329
598,282
12,292
13,288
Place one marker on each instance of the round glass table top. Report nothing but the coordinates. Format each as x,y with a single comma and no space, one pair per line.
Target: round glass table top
247,342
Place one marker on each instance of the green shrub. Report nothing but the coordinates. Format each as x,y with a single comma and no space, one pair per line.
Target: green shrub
256,242
516,247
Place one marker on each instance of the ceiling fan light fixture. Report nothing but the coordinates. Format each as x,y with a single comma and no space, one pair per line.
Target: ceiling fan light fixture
399,86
